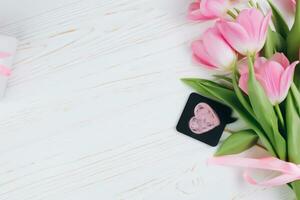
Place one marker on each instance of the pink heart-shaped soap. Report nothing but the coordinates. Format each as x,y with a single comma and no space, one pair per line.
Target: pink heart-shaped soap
205,119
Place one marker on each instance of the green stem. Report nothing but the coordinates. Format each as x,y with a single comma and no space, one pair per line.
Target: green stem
250,63
296,189
239,93
279,114
297,15
296,97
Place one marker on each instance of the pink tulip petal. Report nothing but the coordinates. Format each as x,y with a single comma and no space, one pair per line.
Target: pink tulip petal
286,80
196,16
213,51
214,8
259,61
201,54
243,83
194,6
214,43
243,64
195,12
274,78
282,59
289,5
251,26
4,54
264,30
199,61
269,75
248,34
235,35
4,70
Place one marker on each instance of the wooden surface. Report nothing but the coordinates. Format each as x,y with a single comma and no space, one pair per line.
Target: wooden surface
91,108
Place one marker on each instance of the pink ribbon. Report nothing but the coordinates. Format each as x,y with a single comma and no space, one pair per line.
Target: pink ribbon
289,171
4,70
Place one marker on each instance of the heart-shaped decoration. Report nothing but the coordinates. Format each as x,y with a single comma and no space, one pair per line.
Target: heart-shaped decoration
205,119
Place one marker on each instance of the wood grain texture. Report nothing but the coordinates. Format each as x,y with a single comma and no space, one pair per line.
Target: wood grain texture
91,108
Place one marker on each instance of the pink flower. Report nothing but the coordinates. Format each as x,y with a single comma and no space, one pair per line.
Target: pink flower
290,5
248,33
213,52
274,75
293,2
208,9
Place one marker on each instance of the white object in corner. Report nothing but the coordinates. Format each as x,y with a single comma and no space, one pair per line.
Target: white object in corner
7,45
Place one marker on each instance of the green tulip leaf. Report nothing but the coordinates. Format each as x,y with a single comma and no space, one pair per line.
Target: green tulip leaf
237,143
224,80
222,77
293,141
278,20
293,130
296,97
274,43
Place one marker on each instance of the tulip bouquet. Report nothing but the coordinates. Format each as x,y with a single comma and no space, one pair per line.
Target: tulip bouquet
254,53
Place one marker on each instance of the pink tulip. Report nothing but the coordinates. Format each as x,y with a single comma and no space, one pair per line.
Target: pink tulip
213,52
293,2
248,33
290,5
274,75
208,9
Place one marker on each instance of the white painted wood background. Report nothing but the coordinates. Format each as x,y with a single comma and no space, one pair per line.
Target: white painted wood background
91,108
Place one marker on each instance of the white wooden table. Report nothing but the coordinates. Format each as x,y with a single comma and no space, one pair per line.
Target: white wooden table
91,108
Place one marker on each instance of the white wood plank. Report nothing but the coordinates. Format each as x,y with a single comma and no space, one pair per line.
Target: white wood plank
91,106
